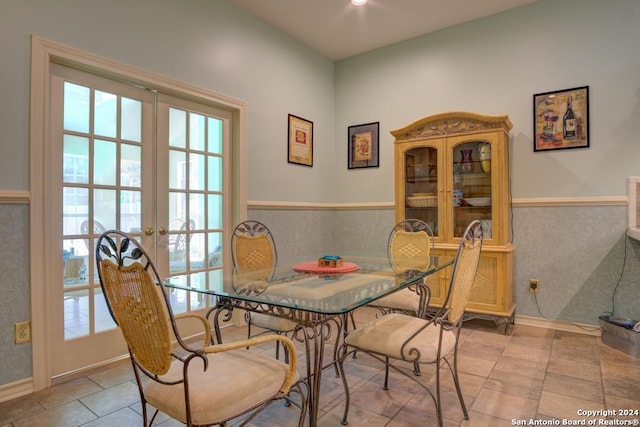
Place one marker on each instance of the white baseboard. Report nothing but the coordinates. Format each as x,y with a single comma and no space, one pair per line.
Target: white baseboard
579,328
16,389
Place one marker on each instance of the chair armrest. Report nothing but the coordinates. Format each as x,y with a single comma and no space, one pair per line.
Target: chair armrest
205,323
293,358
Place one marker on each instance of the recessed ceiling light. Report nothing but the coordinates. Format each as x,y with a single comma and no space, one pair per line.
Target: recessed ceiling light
358,2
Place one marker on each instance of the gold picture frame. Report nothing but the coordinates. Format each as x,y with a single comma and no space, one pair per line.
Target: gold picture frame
300,141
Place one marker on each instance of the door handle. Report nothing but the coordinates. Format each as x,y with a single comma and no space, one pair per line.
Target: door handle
148,231
162,231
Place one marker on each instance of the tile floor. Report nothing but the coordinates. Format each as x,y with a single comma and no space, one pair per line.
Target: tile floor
527,376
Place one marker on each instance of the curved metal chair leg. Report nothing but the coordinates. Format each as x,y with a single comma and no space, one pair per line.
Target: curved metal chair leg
347,396
386,374
456,381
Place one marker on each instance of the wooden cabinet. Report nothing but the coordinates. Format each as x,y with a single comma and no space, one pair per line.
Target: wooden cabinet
450,169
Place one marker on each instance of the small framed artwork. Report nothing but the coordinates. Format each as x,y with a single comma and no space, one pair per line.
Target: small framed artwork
561,119
363,145
300,148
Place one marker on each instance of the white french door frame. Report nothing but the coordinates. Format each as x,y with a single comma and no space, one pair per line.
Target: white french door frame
43,53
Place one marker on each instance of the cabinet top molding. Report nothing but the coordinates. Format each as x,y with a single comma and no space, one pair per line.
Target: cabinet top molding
454,122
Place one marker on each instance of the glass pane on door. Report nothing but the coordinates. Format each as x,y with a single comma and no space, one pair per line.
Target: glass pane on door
472,183
101,190
195,201
421,186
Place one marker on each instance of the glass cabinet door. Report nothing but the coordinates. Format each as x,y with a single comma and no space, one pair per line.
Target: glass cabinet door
421,185
472,190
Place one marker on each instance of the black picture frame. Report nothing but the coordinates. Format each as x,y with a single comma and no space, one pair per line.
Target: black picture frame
300,141
561,119
363,146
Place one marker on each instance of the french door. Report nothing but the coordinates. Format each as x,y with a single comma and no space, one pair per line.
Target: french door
131,159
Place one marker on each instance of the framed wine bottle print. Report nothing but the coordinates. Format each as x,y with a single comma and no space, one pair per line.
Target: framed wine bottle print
561,119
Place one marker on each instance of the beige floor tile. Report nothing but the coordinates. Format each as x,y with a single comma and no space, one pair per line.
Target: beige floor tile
372,397
503,377
287,416
481,350
67,392
618,363
534,369
532,331
70,414
514,383
476,366
358,417
470,384
527,352
565,407
576,347
478,419
574,387
587,371
19,408
492,337
123,417
617,403
451,406
111,377
112,399
504,406
628,387
573,339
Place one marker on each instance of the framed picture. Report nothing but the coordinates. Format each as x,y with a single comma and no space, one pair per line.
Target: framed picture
362,146
561,119
300,148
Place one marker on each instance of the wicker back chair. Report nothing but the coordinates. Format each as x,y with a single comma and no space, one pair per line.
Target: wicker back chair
418,340
196,384
410,245
254,255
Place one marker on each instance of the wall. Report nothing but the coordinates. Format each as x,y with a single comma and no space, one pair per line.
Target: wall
210,44
493,65
15,362
207,43
568,232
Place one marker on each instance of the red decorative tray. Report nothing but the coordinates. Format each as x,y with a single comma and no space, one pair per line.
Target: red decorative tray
313,267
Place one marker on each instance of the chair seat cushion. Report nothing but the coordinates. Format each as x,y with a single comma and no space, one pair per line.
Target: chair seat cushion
225,390
386,335
273,323
404,299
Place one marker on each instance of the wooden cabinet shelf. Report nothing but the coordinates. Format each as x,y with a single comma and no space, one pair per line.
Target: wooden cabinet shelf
462,159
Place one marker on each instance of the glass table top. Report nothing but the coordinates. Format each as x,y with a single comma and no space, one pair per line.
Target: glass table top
323,292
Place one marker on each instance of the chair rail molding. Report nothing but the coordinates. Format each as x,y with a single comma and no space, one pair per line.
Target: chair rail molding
522,202
12,196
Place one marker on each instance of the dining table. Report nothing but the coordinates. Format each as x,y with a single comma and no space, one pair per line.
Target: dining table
320,299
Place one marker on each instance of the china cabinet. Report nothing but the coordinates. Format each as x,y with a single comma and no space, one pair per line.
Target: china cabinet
451,169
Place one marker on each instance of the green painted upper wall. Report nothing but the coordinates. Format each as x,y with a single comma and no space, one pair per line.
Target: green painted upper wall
493,65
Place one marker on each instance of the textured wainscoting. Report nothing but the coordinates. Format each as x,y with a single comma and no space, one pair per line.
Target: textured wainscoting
15,295
578,251
309,233
581,256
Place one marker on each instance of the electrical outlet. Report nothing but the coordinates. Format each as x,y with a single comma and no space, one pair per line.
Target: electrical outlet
22,332
534,286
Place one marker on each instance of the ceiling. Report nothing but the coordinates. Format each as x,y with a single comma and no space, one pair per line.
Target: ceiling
336,29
